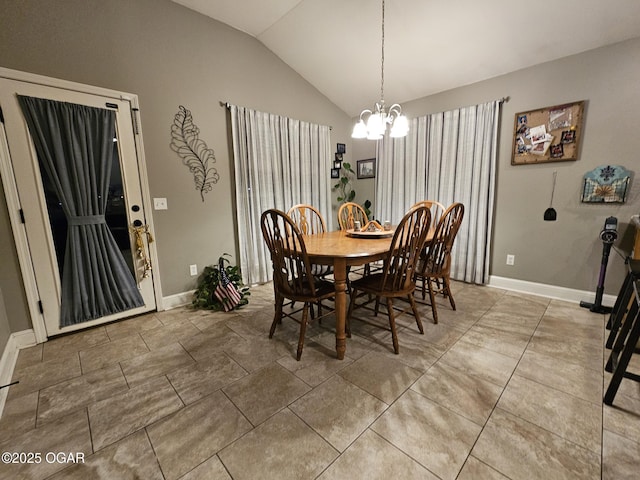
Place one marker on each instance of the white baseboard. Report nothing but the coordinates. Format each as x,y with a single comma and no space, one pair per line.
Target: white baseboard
512,284
177,300
18,340
549,291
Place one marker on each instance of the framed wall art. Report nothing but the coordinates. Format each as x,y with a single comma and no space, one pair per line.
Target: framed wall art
549,134
366,168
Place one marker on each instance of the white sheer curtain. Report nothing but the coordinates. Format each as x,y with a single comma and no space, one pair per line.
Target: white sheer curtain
279,162
449,157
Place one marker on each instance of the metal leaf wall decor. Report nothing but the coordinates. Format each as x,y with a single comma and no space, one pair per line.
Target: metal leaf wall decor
194,152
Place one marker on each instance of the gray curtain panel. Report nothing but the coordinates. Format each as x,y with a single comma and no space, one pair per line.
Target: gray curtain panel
74,144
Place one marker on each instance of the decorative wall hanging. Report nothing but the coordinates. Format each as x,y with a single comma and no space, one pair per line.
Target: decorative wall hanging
549,134
194,152
141,252
606,184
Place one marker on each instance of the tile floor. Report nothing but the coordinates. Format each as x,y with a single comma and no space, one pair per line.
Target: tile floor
507,386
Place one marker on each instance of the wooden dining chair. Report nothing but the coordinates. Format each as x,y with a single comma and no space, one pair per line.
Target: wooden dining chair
435,207
307,218
310,221
291,267
396,279
435,261
349,213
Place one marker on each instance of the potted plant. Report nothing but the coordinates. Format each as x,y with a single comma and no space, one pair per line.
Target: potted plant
220,287
346,193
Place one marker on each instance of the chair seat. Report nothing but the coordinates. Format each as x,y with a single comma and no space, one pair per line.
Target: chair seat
373,284
324,289
423,264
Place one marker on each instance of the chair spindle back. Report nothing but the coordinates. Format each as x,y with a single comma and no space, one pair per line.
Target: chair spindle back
349,213
307,218
408,241
288,254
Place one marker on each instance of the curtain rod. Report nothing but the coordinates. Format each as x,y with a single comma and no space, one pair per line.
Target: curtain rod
501,100
228,106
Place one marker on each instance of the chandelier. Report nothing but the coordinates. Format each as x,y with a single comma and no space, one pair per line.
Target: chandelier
380,117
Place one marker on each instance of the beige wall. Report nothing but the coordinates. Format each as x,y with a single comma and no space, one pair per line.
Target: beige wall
171,56
5,330
566,252
14,299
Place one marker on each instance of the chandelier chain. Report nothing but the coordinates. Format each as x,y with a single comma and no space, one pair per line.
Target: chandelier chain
382,63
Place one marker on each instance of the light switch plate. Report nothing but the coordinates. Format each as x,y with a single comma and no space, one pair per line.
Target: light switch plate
160,203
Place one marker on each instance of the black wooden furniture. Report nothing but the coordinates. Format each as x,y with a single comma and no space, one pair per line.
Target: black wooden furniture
625,331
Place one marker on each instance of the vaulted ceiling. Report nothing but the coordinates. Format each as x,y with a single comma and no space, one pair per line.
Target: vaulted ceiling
430,45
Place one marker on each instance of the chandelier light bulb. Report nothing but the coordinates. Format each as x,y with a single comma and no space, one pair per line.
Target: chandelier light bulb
359,130
400,127
376,126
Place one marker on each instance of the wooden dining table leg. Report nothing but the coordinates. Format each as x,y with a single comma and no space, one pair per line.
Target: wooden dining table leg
340,279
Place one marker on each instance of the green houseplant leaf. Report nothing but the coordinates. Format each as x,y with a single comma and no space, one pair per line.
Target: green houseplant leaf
204,296
346,193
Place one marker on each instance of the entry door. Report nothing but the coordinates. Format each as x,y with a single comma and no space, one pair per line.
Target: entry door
43,219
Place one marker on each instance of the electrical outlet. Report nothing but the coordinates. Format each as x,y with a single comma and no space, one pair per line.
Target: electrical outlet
511,259
193,269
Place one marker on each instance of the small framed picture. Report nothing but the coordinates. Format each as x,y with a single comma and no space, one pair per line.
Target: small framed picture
557,151
337,164
568,136
341,148
522,127
335,173
338,157
367,168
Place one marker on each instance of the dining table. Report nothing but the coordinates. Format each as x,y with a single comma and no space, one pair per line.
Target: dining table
341,251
